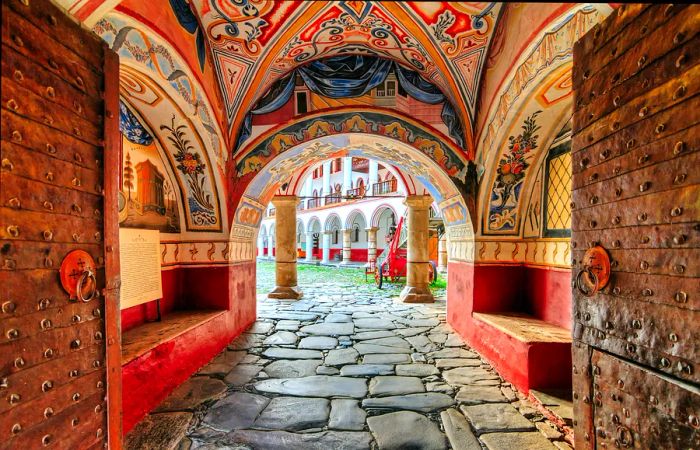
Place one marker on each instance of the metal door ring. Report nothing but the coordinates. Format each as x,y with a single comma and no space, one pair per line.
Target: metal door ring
79,287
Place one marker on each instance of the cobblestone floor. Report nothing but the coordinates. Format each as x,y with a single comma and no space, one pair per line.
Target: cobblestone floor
346,367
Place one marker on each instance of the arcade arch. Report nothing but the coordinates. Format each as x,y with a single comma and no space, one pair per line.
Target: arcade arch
433,171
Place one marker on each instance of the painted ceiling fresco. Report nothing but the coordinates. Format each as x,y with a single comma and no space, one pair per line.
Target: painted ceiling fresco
193,69
445,42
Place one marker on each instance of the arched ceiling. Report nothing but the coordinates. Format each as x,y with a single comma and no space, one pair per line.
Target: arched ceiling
213,59
250,44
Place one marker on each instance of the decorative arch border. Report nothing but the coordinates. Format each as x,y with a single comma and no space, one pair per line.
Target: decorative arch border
374,121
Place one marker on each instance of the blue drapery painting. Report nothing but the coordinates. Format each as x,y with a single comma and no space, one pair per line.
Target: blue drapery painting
188,21
131,128
353,76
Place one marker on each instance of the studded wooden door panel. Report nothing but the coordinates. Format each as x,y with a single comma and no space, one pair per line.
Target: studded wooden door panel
59,122
636,193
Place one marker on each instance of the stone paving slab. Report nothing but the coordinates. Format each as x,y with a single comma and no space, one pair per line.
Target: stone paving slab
346,415
294,368
458,431
451,363
341,357
287,325
242,374
382,386
239,410
387,358
246,341
294,414
315,386
397,431
283,440
318,342
476,395
469,375
406,332
328,329
393,341
366,370
521,441
493,417
375,324
365,335
291,353
261,327
427,402
192,393
366,349
281,338
416,370
223,362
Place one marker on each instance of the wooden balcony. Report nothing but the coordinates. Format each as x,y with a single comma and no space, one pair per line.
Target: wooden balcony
385,187
313,203
332,199
357,192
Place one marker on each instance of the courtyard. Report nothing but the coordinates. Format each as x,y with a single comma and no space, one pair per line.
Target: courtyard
347,367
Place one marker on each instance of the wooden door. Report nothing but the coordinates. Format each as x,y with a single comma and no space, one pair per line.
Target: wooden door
636,193
60,372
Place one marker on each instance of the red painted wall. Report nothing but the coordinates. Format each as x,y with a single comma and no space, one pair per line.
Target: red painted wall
548,292
149,379
358,254
147,312
541,291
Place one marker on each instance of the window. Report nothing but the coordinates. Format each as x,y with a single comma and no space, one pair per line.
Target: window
386,89
335,236
557,194
318,172
355,233
336,165
302,107
390,88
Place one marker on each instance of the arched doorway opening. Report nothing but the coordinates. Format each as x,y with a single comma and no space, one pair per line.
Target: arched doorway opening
433,166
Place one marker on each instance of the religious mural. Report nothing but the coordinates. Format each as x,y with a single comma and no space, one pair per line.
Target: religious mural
148,196
183,147
375,123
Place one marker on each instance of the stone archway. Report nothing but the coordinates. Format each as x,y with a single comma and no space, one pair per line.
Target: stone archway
439,169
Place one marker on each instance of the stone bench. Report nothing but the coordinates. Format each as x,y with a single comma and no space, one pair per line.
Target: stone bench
530,352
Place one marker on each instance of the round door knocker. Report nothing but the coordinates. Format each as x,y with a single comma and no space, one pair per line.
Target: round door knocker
78,275
595,273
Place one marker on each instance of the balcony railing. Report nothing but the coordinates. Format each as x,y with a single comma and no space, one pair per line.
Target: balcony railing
357,192
385,187
333,198
313,203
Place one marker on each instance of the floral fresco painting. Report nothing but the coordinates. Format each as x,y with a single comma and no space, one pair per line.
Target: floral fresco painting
511,174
